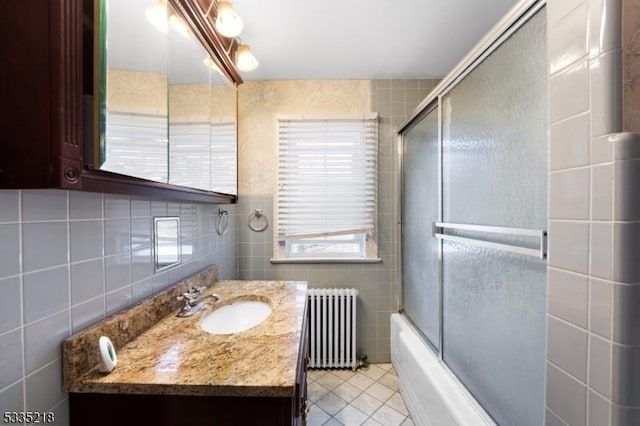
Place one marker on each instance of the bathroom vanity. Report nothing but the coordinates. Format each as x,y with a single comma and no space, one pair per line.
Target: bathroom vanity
172,372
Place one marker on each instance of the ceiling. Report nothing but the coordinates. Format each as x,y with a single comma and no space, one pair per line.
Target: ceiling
316,39
363,39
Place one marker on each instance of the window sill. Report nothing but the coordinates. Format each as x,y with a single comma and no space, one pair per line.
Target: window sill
327,260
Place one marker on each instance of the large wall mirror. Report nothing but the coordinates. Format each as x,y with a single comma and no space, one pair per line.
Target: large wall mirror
167,113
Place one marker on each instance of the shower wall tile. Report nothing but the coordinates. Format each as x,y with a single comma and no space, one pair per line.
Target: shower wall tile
599,410
52,277
625,385
569,194
569,143
627,199
606,93
568,38
604,26
569,246
592,88
566,396
556,10
602,192
569,91
567,347
626,246
600,365
568,296
626,317
600,303
601,250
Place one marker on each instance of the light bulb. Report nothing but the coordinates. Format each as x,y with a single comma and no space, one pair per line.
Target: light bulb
157,16
245,61
228,23
210,63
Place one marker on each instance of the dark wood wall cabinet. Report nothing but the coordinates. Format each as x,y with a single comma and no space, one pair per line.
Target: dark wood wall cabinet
48,68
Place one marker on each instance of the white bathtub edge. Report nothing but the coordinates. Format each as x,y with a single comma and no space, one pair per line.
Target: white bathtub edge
432,395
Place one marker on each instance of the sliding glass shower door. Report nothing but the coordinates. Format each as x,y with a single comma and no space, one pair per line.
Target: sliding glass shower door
421,259
477,285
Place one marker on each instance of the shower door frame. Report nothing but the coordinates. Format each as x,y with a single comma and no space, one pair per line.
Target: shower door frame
518,16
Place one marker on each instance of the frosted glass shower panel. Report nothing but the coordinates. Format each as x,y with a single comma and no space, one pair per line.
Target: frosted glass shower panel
495,173
420,254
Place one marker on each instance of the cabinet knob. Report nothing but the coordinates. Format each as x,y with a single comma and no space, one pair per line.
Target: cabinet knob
71,174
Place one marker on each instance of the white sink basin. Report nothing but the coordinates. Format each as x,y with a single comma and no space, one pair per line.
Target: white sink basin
238,316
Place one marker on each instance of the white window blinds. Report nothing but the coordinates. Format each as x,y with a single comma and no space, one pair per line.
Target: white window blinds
224,158
136,145
327,176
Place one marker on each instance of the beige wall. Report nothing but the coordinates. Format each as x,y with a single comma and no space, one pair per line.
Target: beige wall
138,92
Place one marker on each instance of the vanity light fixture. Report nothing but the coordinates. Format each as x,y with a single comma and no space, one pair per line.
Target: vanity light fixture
210,63
157,16
245,61
228,22
179,26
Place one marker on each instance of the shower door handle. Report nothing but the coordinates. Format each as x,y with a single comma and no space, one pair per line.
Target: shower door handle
541,234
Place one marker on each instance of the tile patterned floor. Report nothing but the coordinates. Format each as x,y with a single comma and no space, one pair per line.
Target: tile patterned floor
366,397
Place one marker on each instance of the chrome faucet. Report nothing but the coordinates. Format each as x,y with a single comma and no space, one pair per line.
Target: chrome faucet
192,302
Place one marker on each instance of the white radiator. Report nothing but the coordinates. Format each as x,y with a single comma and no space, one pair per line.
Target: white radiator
332,328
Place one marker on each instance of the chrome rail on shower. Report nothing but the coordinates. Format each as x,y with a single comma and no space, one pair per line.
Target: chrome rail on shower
541,234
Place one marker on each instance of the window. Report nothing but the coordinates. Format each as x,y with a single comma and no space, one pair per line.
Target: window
326,201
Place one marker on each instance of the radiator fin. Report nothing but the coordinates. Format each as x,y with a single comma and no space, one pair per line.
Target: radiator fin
332,328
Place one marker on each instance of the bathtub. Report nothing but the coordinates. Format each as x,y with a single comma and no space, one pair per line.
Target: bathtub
433,396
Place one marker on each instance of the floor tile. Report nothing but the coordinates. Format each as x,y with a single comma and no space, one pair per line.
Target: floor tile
360,381
317,416
331,403
374,372
379,392
397,403
344,374
347,391
330,381
388,416
369,397
314,375
366,403
351,416
390,381
316,391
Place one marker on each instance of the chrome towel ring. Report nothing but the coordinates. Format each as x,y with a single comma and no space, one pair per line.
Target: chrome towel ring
258,221
222,225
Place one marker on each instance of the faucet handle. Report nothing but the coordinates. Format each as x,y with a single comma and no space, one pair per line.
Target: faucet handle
200,289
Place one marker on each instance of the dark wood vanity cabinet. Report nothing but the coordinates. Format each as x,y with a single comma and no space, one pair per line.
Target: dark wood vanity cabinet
46,75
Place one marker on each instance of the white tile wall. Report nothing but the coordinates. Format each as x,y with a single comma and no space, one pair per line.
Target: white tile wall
68,259
593,229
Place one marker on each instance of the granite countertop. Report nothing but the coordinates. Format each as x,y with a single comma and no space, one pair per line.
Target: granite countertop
176,357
